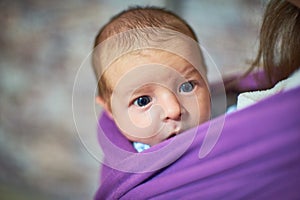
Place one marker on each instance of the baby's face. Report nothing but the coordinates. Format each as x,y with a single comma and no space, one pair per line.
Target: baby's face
156,96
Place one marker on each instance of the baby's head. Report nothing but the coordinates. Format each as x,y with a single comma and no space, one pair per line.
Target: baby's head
151,75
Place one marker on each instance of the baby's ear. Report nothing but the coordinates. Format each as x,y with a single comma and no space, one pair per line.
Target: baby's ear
100,101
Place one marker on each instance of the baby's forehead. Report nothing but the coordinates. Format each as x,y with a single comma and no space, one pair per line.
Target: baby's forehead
150,65
153,57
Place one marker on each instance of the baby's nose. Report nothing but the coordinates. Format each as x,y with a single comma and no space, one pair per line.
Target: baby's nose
171,107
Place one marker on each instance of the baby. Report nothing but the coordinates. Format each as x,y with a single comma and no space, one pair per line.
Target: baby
151,75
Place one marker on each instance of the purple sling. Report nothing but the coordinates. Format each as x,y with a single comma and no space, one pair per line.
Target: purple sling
257,156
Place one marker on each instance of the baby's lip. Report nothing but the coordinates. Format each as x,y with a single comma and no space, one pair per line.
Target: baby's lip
175,129
173,134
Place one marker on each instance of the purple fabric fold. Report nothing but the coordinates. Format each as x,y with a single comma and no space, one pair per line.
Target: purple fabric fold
256,157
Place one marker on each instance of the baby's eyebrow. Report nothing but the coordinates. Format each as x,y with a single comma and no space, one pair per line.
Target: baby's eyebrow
137,89
189,71
144,88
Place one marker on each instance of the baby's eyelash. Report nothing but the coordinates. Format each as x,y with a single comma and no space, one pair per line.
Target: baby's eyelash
142,101
187,86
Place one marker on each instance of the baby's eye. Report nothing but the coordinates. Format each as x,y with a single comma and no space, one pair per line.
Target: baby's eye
142,101
187,86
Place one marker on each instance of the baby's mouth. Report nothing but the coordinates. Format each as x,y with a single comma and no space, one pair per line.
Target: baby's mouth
175,130
171,135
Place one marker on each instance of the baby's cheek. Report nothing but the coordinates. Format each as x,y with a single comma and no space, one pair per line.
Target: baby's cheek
146,123
140,119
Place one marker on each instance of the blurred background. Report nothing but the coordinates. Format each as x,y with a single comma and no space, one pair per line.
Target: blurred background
43,44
